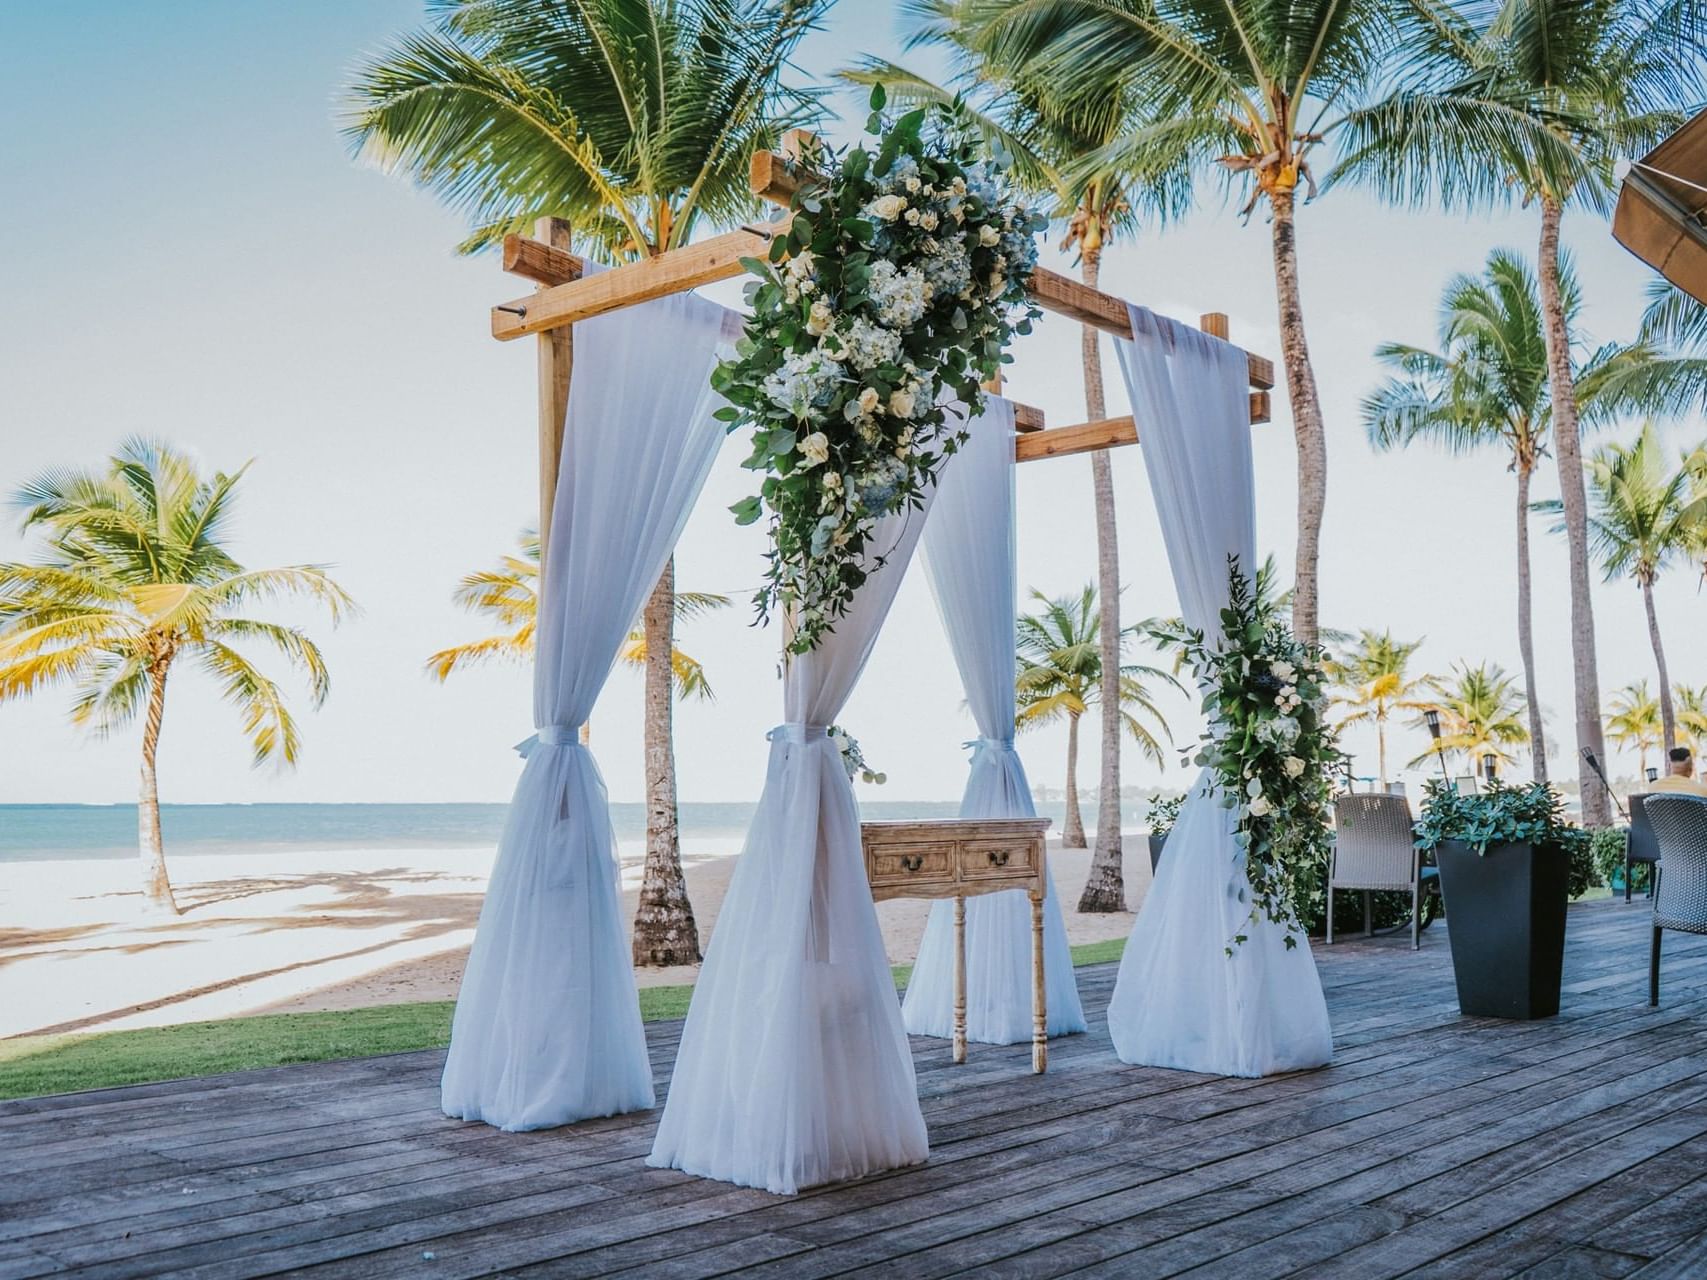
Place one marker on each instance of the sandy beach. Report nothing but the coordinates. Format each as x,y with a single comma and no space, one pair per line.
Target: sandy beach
326,929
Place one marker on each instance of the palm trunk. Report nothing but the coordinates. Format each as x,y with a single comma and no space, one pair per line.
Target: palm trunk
1306,420
664,928
1668,715
1567,445
1381,750
156,884
1525,626
1105,890
1073,836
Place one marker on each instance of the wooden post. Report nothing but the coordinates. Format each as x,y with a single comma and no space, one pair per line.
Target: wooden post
1214,323
556,362
1039,994
959,978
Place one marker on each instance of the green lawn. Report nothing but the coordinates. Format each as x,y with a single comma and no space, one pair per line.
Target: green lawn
32,1065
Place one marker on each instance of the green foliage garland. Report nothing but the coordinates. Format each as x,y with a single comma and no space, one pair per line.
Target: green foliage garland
1272,753
894,290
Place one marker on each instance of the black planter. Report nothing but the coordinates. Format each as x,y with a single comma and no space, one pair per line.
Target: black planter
1156,843
1505,919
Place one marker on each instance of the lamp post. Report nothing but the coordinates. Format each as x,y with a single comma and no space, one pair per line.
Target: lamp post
1431,718
1490,766
1653,773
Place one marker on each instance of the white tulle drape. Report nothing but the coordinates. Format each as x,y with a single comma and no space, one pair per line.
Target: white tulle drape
547,1027
794,1068
1180,1000
969,559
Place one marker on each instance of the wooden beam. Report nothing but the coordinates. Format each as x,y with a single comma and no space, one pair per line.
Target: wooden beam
1026,419
689,267
1086,437
540,262
556,359
1260,411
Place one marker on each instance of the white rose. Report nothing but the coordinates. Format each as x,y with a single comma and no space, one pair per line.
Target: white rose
1294,767
913,216
889,207
901,403
988,235
1260,807
819,322
815,448
1284,671
832,482
928,220
912,184
868,400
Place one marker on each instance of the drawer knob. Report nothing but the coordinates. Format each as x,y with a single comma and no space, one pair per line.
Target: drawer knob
912,861
999,857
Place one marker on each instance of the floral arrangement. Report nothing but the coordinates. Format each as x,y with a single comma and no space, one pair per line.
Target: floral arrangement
1272,753
894,290
853,759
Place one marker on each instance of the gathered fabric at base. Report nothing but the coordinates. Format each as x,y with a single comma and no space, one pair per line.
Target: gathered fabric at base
567,1043
794,1068
1180,1000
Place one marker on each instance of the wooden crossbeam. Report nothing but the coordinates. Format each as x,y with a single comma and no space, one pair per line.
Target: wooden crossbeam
1085,437
552,266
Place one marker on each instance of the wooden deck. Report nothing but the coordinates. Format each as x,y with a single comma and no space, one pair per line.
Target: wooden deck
1434,1146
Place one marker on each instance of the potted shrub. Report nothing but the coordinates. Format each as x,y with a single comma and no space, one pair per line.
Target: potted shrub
1162,813
1505,860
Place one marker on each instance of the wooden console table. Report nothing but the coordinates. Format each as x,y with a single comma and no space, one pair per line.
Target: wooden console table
956,858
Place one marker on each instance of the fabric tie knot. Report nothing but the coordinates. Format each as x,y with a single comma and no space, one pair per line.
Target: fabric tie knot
551,735
799,733
989,744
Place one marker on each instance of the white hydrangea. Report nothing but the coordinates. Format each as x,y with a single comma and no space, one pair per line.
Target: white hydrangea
901,297
867,345
805,380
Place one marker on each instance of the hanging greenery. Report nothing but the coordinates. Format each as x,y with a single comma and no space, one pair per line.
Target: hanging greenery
1272,754
893,294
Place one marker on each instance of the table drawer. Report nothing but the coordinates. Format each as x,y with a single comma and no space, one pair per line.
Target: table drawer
892,864
997,859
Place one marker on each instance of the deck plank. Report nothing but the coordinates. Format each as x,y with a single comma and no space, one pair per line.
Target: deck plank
1435,1144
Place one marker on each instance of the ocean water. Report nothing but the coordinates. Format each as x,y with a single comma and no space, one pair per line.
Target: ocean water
33,833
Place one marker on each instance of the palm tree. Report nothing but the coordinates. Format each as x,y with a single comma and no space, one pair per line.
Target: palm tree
1535,99
509,595
1375,675
1059,676
1231,86
1487,387
633,119
136,575
1044,132
1635,721
1644,519
1691,703
665,931
1481,714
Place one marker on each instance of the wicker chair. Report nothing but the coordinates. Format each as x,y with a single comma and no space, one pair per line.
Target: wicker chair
1639,842
1374,849
1680,876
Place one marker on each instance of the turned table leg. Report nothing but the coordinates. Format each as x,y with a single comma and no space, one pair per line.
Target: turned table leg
959,979
1039,1000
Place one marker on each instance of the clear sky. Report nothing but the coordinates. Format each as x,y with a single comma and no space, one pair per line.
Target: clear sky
187,250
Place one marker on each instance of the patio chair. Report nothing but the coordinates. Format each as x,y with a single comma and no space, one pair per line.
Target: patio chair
1374,848
1639,842
1680,876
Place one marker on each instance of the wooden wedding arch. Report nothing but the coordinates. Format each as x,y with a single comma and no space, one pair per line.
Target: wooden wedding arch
901,858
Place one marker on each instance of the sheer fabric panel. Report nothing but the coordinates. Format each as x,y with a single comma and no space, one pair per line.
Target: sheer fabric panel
547,1027
969,560
794,1069
1180,1000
